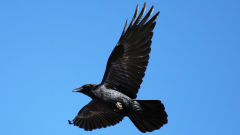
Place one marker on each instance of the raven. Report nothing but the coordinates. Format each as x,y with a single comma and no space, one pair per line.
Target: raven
114,97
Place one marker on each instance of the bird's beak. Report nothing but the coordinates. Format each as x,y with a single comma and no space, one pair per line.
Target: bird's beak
77,90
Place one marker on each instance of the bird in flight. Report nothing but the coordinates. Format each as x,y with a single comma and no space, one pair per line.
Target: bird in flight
115,97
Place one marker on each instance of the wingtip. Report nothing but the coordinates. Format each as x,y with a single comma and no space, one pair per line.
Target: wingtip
124,29
144,5
152,8
137,7
144,8
134,16
158,13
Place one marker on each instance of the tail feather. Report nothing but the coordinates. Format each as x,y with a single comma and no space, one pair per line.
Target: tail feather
151,117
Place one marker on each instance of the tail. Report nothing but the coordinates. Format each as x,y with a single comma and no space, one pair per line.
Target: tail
151,117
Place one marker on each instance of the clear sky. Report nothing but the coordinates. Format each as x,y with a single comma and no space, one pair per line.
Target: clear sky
48,48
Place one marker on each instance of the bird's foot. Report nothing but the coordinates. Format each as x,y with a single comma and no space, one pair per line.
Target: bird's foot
119,107
70,122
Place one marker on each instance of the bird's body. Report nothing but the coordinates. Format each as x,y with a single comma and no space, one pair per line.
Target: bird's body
111,97
115,97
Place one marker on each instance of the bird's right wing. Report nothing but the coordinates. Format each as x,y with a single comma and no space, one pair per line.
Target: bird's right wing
96,114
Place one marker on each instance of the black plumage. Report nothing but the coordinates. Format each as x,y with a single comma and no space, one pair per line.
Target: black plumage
114,97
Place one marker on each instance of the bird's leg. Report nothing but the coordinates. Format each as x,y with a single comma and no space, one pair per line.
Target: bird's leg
119,107
136,106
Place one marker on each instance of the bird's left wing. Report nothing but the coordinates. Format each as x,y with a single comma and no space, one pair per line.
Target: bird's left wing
96,114
129,59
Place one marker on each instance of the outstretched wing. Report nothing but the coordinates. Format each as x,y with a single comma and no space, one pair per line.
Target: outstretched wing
96,114
129,59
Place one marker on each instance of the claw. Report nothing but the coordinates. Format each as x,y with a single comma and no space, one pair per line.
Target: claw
119,105
70,122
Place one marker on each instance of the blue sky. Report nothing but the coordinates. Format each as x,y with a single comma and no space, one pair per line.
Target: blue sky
48,48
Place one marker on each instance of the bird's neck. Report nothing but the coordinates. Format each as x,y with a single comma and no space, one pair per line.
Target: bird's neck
91,90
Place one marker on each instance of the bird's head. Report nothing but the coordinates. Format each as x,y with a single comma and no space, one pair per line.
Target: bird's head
85,88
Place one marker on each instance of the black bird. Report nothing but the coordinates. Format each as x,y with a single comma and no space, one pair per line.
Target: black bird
114,97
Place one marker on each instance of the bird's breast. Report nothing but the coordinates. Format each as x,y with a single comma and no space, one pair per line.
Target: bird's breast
110,95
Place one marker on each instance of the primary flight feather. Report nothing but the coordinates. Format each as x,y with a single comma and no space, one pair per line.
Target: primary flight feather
114,97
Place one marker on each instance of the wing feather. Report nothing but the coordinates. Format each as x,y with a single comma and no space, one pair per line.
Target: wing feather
127,63
95,115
